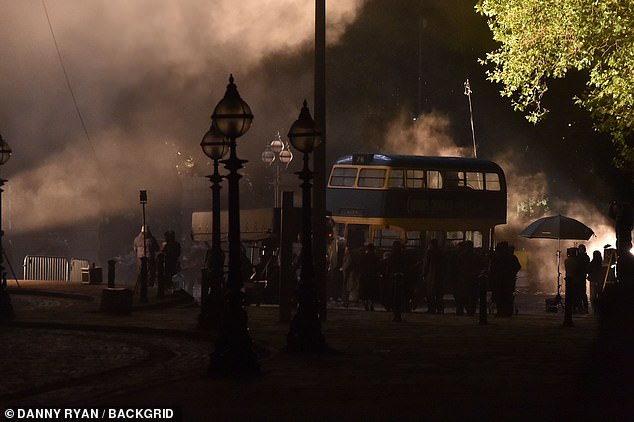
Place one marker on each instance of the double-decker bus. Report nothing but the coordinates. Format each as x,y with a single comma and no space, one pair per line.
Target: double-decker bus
381,198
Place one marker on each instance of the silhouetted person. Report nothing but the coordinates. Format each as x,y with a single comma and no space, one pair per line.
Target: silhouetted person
335,260
369,269
596,276
350,271
418,285
581,286
468,268
172,250
575,276
396,266
502,276
149,251
433,277
385,282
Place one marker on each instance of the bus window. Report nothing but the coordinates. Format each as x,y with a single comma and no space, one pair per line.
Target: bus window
385,238
492,181
415,179
372,178
413,239
434,179
343,176
455,179
474,180
475,237
396,179
455,237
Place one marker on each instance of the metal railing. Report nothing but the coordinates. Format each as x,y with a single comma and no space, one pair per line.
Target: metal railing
38,267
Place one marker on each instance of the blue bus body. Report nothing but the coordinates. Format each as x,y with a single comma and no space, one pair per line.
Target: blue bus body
383,197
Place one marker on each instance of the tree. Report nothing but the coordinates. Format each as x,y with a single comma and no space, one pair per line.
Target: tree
543,40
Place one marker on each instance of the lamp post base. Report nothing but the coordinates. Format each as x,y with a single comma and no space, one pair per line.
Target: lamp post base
305,331
234,353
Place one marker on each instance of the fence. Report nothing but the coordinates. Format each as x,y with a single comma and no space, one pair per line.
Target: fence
38,267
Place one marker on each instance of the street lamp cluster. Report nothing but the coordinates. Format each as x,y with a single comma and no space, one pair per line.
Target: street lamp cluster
234,353
277,154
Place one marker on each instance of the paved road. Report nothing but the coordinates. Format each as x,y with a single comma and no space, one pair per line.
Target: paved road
61,351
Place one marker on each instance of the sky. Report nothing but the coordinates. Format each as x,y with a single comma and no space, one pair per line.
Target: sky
116,97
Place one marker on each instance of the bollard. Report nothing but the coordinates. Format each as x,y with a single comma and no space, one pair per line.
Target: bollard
111,273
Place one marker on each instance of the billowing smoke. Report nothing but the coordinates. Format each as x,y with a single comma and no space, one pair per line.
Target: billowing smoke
429,134
145,76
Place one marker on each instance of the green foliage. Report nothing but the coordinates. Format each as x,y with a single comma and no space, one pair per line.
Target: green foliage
533,207
541,40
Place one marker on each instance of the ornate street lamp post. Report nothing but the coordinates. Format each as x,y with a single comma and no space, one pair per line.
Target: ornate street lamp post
305,330
233,352
6,309
215,146
276,153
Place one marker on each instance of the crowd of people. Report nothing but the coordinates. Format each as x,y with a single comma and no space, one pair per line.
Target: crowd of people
146,245
401,280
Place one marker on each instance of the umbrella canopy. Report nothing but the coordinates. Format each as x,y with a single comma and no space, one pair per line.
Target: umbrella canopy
557,227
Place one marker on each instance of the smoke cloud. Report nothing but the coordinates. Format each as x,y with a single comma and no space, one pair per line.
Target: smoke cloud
429,134
145,76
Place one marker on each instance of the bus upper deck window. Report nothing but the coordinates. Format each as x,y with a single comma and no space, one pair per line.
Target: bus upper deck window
396,179
343,176
475,180
372,178
415,178
434,179
492,182
455,179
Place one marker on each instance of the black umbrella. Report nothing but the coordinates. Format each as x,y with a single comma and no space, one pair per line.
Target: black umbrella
561,228
557,227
